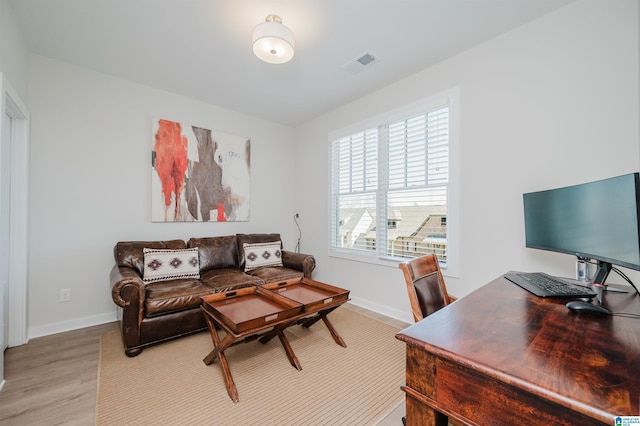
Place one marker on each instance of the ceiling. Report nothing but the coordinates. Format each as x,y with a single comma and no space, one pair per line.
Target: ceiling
202,48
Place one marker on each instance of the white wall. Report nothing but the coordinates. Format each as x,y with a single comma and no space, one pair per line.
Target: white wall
552,103
13,51
91,145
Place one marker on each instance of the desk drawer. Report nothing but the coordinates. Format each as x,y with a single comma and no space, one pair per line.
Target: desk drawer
487,401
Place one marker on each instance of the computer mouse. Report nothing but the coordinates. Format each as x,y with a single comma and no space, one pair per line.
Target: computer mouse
580,307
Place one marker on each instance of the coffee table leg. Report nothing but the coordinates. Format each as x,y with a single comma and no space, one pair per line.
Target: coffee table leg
228,380
308,322
216,341
218,347
323,316
266,337
214,337
218,352
289,351
334,333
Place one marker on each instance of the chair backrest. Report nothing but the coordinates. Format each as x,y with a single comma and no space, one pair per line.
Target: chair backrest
425,285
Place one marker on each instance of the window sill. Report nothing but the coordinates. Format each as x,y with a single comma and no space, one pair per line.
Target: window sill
375,260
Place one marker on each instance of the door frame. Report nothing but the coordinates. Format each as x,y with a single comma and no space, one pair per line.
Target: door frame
12,105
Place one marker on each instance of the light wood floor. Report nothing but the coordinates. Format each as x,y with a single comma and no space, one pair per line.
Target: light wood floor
52,380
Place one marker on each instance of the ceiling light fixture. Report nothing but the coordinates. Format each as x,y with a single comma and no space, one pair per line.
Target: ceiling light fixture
272,41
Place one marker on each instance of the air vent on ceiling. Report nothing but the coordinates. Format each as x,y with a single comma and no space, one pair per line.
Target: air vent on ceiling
361,62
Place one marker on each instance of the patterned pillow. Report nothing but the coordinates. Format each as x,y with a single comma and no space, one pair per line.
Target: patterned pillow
258,255
164,264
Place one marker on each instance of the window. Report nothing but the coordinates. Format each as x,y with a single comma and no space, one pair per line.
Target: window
391,184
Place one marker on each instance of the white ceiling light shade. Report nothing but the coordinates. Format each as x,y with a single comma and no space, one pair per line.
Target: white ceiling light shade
272,41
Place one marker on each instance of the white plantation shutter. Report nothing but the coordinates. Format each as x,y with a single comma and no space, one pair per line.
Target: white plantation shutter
416,197
390,187
354,186
357,157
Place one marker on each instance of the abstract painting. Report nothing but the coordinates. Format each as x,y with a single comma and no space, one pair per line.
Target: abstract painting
198,175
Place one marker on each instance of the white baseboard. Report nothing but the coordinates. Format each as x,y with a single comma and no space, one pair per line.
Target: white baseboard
60,327
382,309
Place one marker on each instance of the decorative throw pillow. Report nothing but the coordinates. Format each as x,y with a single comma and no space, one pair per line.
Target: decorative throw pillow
165,264
258,255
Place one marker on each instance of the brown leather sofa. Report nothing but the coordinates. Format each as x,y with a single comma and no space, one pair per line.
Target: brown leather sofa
151,313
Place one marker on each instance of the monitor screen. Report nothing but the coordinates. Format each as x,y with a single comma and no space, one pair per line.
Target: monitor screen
596,220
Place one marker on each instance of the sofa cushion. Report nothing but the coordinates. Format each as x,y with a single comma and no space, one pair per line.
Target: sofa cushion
225,279
270,275
129,253
173,295
216,252
260,255
163,264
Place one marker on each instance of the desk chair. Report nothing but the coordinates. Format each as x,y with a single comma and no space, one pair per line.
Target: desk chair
425,285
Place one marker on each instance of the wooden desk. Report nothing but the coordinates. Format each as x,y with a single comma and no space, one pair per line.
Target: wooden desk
502,356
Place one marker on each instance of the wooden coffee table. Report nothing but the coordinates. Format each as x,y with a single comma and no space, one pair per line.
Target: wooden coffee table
259,312
317,299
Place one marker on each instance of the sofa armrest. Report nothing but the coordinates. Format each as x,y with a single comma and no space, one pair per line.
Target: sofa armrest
123,281
301,262
127,291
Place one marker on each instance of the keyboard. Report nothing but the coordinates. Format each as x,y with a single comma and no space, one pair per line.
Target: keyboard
544,285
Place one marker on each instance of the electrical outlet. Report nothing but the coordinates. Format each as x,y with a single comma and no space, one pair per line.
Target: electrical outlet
65,294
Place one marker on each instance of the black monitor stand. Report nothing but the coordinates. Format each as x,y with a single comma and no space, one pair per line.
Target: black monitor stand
602,272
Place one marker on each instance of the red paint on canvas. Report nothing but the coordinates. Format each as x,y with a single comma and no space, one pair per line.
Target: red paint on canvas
171,161
221,217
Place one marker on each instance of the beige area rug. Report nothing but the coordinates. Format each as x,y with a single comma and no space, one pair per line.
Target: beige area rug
169,384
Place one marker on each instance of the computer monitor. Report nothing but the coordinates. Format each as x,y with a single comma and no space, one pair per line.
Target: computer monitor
597,220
